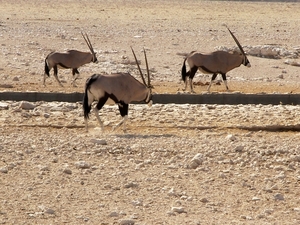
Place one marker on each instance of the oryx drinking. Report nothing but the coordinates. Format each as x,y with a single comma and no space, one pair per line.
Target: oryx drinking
71,59
122,88
218,62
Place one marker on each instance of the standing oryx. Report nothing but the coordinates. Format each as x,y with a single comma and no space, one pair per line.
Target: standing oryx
219,62
122,88
71,59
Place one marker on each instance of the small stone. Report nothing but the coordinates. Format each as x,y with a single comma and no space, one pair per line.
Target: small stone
178,209
127,222
82,165
196,161
268,211
26,105
239,148
4,170
67,171
231,137
16,79
49,211
3,105
130,185
255,198
204,200
113,214
278,196
99,141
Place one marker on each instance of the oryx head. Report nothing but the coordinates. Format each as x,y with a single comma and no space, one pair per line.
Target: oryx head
245,60
148,85
89,44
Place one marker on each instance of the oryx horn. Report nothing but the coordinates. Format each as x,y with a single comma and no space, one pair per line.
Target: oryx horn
148,73
88,42
137,63
236,41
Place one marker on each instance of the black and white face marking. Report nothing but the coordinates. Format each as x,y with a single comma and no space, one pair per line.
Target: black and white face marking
246,62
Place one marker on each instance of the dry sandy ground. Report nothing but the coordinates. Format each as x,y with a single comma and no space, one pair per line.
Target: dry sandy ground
52,172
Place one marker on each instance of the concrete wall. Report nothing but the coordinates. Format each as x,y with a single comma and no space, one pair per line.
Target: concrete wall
222,98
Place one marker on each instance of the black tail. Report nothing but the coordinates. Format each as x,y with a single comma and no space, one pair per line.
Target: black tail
47,68
183,71
85,104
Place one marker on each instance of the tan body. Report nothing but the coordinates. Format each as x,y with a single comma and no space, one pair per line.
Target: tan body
71,59
122,88
215,62
218,62
115,85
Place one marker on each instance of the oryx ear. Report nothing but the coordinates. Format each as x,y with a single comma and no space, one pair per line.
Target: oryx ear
138,65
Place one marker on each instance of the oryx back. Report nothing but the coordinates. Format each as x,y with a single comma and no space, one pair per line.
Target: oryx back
69,59
120,87
215,62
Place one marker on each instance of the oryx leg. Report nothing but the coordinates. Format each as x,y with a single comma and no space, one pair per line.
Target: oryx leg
185,81
55,75
123,108
225,81
192,73
75,73
212,79
99,106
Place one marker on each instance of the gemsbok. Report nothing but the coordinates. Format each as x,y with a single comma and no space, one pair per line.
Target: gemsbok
218,62
71,59
122,88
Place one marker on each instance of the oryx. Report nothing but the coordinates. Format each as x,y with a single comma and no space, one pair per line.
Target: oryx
122,88
218,62
71,59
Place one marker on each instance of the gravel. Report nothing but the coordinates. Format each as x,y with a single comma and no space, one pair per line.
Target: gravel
174,161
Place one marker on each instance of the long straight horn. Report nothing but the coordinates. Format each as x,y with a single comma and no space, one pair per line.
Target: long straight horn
236,41
88,42
137,63
148,73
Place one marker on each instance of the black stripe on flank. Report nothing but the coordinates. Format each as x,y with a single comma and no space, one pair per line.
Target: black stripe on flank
205,69
63,66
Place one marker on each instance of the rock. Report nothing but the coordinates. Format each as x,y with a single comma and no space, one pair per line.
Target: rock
204,200
82,165
67,171
99,141
278,196
127,222
196,161
239,148
27,105
231,137
49,211
113,214
16,79
178,210
4,169
131,185
3,105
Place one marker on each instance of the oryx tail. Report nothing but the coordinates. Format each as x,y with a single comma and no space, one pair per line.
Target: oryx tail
47,70
183,71
86,101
